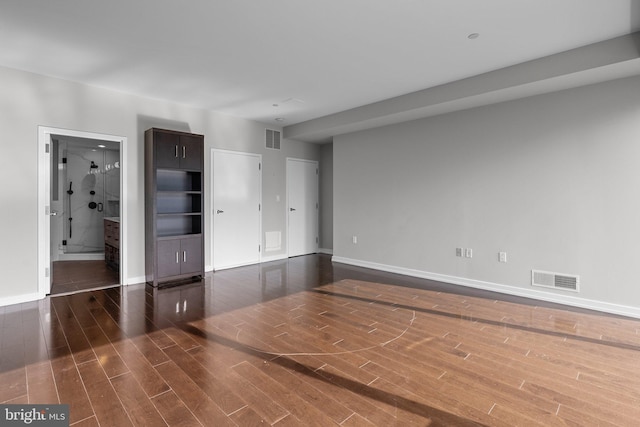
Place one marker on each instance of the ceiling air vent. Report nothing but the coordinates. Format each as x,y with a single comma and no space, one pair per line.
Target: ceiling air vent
272,138
567,282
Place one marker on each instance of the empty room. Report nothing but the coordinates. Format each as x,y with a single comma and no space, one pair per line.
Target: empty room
316,213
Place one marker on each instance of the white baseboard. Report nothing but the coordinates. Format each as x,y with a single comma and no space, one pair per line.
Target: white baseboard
136,280
274,258
325,251
226,267
94,256
19,299
569,300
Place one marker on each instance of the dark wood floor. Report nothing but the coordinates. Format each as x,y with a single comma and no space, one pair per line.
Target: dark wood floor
73,276
307,343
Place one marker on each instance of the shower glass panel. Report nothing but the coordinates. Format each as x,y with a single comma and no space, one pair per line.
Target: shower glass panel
91,192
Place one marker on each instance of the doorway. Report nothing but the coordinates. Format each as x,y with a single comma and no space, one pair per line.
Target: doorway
85,191
81,187
302,207
237,216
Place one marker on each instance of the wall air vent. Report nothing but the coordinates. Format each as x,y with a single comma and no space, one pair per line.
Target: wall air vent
546,279
272,138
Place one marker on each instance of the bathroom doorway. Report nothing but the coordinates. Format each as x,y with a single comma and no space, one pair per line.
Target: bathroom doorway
81,225
85,191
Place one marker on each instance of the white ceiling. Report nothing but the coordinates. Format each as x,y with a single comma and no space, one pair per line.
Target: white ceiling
311,57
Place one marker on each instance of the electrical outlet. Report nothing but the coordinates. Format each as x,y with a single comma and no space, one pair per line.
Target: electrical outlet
502,256
354,239
459,252
468,253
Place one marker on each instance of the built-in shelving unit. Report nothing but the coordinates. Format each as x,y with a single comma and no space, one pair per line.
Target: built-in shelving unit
174,202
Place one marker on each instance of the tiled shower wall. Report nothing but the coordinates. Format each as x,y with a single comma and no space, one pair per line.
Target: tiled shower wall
83,225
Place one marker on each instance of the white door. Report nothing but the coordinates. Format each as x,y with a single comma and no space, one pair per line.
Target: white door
237,192
302,211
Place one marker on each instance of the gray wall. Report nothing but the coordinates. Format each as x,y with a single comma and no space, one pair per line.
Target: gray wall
552,180
326,197
29,100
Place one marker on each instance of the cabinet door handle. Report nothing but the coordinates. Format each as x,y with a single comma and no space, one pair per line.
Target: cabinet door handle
176,151
177,258
184,152
184,256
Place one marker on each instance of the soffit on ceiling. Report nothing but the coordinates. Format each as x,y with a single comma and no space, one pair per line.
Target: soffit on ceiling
311,58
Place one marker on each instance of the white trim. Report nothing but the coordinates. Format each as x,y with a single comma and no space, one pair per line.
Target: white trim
212,198
569,300
325,251
274,258
227,267
43,225
44,177
286,212
81,257
140,280
19,299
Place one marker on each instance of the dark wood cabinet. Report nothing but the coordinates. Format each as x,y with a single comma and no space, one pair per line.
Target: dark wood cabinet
179,257
175,151
191,255
174,202
112,243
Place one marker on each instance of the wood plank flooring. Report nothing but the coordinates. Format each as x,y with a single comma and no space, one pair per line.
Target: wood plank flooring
304,342
73,276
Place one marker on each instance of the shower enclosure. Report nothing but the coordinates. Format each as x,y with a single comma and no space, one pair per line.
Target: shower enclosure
88,190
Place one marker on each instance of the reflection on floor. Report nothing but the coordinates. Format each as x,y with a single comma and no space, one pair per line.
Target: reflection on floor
305,342
73,276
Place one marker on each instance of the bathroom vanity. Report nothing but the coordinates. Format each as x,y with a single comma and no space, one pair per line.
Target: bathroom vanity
112,243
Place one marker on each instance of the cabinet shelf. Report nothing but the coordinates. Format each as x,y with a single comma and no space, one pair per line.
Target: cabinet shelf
160,193
169,180
179,236
174,202
179,202
177,224
171,214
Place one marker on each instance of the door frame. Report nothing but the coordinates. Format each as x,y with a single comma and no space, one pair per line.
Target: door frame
317,230
213,214
44,200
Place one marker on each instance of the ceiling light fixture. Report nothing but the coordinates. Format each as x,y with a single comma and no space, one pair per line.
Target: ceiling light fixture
102,146
473,36
279,119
